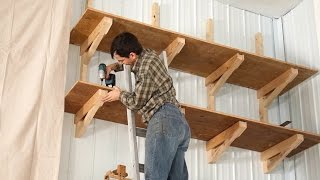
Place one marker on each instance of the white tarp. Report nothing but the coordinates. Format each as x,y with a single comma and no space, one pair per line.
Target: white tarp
34,42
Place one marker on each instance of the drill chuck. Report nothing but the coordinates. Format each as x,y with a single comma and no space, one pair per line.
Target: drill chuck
102,71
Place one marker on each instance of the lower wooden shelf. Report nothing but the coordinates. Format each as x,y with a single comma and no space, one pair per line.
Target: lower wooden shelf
205,124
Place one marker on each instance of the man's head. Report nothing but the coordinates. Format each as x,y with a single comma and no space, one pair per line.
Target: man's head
125,48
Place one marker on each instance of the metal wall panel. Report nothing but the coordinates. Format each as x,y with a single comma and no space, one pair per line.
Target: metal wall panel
105,143
301,47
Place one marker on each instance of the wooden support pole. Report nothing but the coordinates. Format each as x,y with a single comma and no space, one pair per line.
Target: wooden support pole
259,43
89,46
273,156
89,4
216,79
271,90
84,116
209,37
174,48
210,30
217,145
155,20
211,99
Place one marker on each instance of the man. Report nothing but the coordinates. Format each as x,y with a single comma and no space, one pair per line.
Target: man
168,132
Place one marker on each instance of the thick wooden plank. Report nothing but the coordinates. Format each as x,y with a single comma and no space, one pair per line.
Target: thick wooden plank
197,57
204,124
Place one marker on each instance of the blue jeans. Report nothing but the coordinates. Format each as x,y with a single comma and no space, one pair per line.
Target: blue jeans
167,140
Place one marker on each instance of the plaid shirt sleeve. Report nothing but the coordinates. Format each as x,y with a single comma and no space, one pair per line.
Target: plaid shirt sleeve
153,86
144,86
142,93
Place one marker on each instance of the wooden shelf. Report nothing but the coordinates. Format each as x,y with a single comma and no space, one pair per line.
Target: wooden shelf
197,57
204,123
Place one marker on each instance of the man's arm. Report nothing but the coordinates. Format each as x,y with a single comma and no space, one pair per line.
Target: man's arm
116,67
142,93
134,100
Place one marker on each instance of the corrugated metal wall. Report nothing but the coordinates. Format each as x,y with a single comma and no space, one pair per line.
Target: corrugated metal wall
301,47
105,143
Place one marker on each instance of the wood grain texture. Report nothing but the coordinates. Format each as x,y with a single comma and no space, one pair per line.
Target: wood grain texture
205,124
198,57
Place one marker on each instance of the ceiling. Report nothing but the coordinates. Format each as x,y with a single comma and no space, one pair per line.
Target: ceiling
269,8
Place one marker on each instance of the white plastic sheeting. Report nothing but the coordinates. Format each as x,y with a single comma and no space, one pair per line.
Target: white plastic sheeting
105,144
34,42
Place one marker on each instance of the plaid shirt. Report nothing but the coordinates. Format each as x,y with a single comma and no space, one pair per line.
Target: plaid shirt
153,87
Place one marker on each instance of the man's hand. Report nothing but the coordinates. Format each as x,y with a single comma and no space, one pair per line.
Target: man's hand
108,70
113,95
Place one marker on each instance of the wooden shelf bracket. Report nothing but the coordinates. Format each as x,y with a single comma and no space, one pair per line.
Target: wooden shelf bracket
89,46
273,156
216,79
174,48
218,144
84,116
271,90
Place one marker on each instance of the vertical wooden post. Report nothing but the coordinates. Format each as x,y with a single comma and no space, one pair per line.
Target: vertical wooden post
210,96
263,110
259,43
89,3
155,15
209,37
210,30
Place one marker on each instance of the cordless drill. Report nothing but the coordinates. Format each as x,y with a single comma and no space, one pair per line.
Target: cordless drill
102,75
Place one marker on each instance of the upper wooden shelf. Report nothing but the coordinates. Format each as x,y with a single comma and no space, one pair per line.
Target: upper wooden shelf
197,57
204,123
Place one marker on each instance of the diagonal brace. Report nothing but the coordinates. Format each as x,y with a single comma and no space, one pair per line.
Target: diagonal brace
273,156
216,79
174,49
217,145
85,115
271,90
89,46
